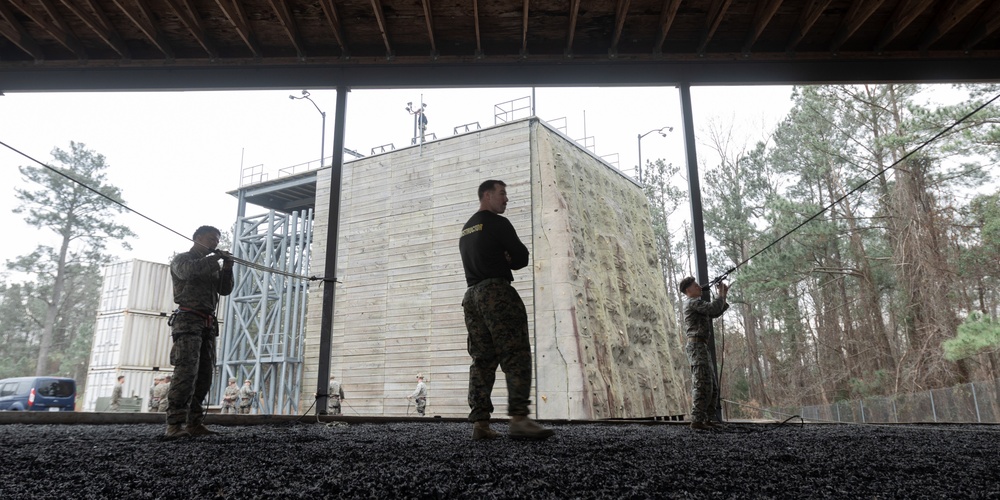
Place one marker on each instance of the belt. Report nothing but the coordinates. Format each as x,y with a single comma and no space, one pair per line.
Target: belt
493,281
697,339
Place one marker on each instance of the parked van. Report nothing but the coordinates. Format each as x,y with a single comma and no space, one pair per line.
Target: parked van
37,394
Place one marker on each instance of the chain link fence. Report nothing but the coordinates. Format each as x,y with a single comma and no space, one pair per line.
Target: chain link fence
976,402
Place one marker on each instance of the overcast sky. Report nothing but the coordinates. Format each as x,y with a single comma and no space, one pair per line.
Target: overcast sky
176,154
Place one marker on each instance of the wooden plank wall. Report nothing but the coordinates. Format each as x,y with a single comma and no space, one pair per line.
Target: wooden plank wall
398,310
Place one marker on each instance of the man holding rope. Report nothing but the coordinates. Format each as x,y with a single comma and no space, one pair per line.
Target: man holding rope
198,282
698,315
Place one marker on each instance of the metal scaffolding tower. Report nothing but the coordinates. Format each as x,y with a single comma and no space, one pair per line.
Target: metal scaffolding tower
264,324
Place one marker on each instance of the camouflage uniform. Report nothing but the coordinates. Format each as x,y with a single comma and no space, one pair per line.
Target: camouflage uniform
229,398
246,398
495,316
198,281
160,397
116,397
420,396
698,315
336,394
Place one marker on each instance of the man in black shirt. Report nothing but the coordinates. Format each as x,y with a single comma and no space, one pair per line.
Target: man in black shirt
495,316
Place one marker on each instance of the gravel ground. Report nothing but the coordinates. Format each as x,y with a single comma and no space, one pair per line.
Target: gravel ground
438,460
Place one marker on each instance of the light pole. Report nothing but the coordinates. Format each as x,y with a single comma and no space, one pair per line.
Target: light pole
322,144
419,120
661,131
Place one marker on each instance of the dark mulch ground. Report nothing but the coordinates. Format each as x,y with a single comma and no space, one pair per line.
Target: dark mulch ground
438,460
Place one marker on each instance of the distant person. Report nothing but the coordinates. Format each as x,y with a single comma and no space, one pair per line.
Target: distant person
336,395
419,395
495,316
116,394
198,281
246,397
698,315
162,393
153,403
229,397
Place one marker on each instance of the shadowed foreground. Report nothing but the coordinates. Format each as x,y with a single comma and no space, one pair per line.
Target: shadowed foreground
436,459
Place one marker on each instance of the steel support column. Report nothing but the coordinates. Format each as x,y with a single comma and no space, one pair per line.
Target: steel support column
330,273
698,224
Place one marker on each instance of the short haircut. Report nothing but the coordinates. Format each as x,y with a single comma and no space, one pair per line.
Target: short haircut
489,186
205,229
120,377
685,283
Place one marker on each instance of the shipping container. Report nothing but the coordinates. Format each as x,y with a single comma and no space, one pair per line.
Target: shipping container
137,286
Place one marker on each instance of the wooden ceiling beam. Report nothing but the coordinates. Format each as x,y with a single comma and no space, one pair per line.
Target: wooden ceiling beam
524,30
715,15
859,12
56,27
233,9
667,16
11,29
143,18
905,13
380,19
98,22
621,12
765,11
955,12
574,12
986,26
288,23
806,21
430,26
479,43
189,19
336,26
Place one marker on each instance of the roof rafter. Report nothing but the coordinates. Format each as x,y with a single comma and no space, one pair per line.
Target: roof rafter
430,26
524,30
904,14
574,12
57,27
859,12
475,14
190,21
621,11
380,18
955,12
806,21
15,32
99,24
765,11
143,18
233,9
288,23
667,17
336,26
715,15
987,25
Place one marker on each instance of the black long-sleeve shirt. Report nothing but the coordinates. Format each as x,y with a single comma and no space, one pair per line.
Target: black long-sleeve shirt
487,239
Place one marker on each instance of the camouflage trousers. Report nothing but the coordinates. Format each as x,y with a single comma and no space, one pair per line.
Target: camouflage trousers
228,408
498,336
193,357
703,388
421,405
333,405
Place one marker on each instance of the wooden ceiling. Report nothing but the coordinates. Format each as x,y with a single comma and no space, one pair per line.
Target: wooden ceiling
227,44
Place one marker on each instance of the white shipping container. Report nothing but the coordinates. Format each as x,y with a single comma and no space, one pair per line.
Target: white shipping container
130,340
100,383
138,286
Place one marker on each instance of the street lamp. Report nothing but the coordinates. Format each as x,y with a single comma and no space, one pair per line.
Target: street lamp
322,145
661,131
419,120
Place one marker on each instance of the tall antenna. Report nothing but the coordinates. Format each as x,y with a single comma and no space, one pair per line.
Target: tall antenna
419,121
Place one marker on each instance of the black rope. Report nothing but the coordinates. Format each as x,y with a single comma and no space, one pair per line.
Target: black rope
246,263
857,188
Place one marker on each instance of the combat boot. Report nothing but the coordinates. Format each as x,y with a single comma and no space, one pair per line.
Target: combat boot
522,427
481,430
175,431
200,430
701,426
